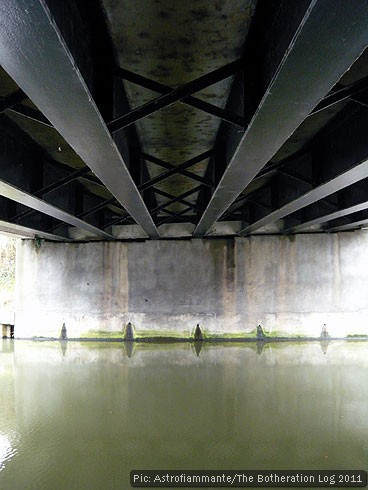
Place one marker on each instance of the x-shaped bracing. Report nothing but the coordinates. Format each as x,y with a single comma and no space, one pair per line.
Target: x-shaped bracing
183,93
176,169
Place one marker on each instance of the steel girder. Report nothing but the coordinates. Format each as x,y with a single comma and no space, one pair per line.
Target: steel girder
328,217
35,55
349,226
25,232
15,194
326,41
343,180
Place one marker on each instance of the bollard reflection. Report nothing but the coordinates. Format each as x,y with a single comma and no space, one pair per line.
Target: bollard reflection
129,348
260,346
324,345
63,346
198,346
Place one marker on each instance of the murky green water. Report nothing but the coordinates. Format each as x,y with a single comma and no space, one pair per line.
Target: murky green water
82,416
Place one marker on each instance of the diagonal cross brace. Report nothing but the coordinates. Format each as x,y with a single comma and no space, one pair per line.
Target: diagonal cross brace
175,95
173,216
190,100
169,166
30,113
343,93
175,170
56,185
173,199
12,99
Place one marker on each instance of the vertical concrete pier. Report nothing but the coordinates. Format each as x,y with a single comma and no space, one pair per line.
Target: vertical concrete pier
290,286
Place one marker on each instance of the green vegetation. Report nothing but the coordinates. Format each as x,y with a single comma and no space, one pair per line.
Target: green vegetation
7,271
101,334
158,334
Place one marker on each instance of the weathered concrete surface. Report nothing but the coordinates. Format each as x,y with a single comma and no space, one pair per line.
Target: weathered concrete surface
291,286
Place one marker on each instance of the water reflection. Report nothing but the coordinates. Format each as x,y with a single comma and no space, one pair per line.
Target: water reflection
63,346
198,346
129,348
260,346
6,450
105,409
6,346
324,345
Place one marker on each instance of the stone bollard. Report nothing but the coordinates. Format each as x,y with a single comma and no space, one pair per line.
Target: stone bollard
198,334
324,332
63,333
260,333
129,333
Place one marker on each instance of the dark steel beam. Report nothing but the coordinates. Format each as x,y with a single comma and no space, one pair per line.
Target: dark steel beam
12,99
328,217
31,113
96,208
326,41
56,185
175,170
169,166
191,101
237,204
117,221
343,180
61,182
26,232
22,197
36,56
341,94
175,95
349,226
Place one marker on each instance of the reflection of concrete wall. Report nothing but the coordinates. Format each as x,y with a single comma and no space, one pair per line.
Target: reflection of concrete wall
7,401
289,285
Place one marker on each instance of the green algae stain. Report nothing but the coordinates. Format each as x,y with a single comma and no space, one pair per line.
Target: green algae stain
101,334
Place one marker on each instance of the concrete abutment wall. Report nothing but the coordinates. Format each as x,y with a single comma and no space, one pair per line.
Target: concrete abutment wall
291,286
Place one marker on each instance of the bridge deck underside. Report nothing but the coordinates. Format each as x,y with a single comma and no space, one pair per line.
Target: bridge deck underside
243,116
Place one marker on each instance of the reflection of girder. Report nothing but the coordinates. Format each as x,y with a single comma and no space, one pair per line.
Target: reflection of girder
188,100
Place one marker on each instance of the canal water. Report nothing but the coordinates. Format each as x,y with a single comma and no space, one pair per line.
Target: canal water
77,416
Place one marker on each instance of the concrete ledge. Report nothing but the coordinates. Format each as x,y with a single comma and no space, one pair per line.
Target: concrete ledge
165,340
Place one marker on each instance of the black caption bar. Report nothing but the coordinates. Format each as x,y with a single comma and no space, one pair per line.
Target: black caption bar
247,478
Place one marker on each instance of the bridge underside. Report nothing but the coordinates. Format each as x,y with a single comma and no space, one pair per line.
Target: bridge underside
126,119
